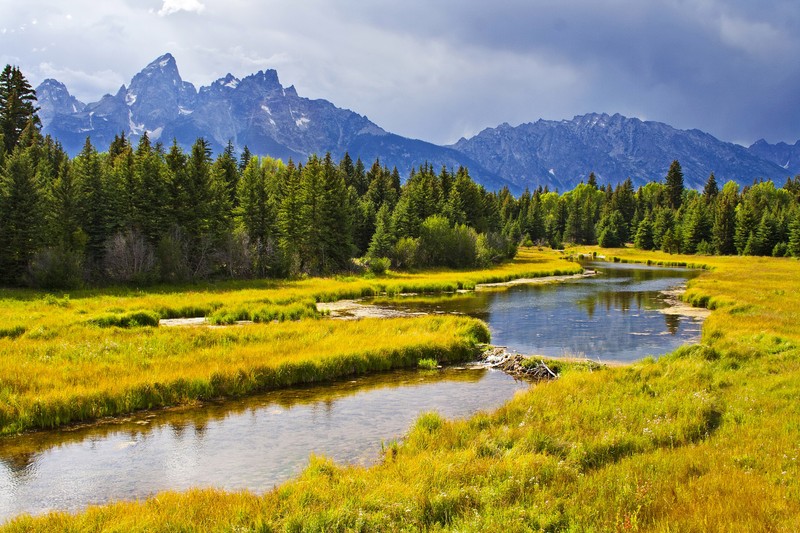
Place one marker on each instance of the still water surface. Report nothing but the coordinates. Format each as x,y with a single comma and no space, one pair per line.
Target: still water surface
254,443
614,316
258,442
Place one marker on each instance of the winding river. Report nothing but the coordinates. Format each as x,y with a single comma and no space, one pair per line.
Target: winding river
259,442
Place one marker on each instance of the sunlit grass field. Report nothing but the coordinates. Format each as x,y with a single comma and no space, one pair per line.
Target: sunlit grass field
705,439
82,356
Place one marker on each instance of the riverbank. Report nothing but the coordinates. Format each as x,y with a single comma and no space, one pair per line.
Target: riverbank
99,353
356,309
703,439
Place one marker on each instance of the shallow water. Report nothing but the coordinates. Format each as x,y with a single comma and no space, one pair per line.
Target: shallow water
253,443
614,316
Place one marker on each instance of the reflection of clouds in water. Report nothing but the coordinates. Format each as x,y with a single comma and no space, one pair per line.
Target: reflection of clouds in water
609,320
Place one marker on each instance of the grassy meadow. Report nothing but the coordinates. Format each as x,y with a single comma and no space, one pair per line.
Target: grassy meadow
704,439
83,356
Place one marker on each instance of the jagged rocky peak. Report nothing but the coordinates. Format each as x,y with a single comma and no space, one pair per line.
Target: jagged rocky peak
265,77
164,65
158,95
229,81
160,75
54,99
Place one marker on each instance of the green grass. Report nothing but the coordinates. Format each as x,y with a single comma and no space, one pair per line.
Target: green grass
705,439
428,363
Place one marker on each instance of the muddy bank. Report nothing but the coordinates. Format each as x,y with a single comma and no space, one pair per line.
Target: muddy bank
679,307
532,281
354,310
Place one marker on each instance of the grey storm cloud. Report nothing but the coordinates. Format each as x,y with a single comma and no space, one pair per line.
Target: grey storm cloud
445,69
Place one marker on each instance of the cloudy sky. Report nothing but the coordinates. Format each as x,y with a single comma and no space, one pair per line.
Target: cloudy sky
439,70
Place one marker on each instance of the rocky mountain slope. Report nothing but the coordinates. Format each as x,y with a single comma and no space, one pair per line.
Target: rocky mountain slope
562,153
258,112
786,156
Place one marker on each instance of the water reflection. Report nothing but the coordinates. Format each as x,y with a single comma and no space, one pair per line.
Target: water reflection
252,443
614,316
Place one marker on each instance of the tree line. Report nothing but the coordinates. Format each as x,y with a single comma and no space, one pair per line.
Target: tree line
760,219
148,213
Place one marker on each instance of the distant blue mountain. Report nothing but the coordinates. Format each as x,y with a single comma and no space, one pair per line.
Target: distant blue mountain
787,156
562,153
258,112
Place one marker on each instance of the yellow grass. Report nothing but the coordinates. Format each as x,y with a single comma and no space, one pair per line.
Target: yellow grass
62,359
706,439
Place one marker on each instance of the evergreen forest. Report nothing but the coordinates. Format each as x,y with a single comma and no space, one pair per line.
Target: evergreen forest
148,213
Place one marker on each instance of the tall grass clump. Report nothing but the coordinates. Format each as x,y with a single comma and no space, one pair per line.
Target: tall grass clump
127,320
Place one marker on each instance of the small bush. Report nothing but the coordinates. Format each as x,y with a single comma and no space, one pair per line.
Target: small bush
56,268
379,265
405,253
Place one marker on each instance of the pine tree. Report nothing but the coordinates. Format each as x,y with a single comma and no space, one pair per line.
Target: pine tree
383,240
697,226
94,213
257,210
244,159
624,201
663,223
150,194
711,190
360,178
674,185
348,171
291,226
644,234
335,233
227,171
20,216
746,225
535,221
610,230
62,210
724,229
178,205
196,213
765,237
17,106
119,185
794,234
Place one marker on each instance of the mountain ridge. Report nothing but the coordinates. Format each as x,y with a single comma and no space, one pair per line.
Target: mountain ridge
258,112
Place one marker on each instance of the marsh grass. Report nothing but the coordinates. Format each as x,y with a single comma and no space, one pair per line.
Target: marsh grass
705,439
95,353
428,363
100,372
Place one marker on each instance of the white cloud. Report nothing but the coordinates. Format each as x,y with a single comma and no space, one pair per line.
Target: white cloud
173,6
85,86
753,37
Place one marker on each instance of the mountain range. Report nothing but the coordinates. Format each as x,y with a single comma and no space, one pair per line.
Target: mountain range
258,112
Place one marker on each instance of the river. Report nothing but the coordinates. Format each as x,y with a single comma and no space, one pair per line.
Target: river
261,441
